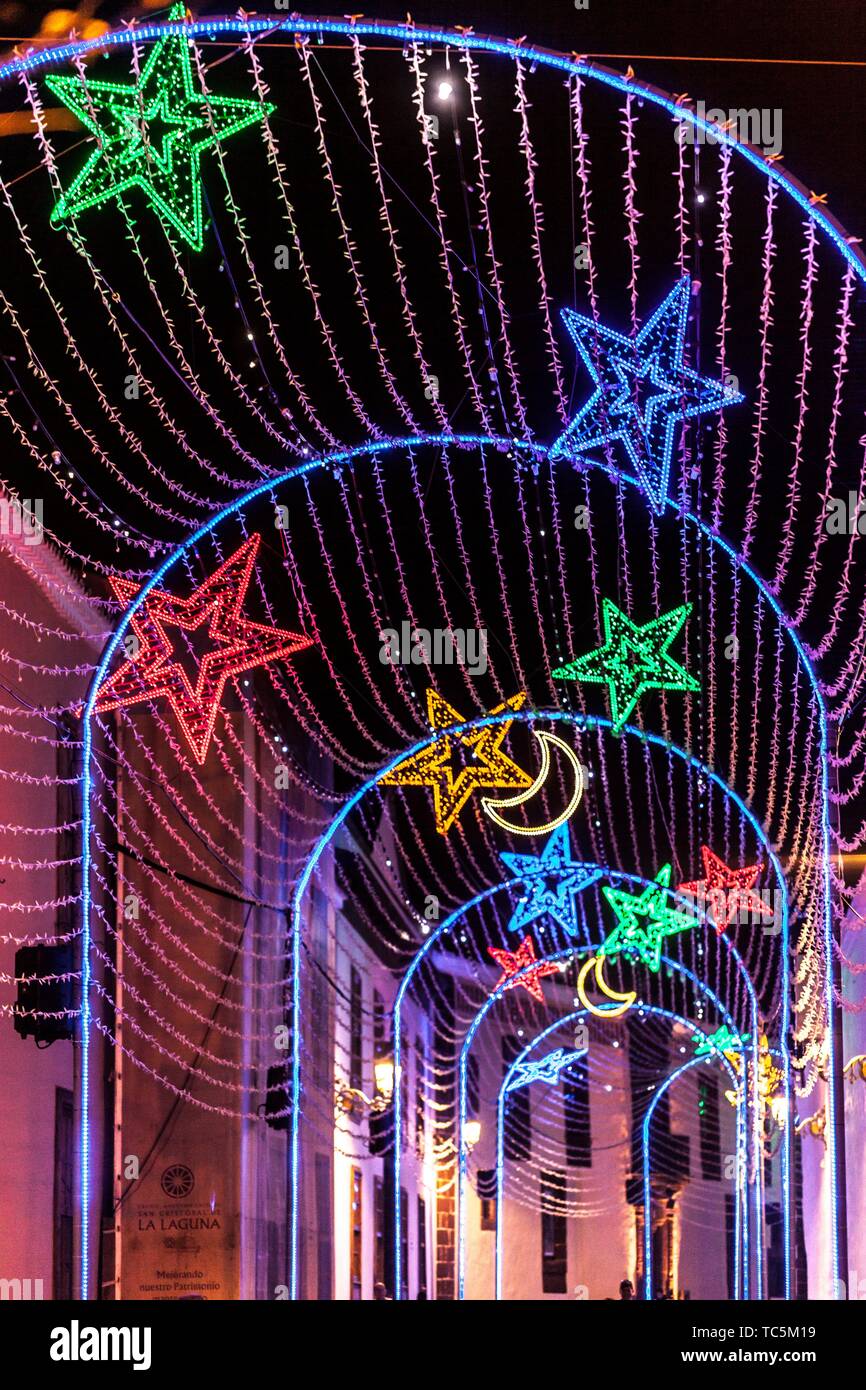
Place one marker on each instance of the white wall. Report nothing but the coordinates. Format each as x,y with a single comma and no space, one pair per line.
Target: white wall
600,1242
601,1231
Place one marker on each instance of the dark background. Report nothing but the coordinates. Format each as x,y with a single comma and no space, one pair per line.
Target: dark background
807,57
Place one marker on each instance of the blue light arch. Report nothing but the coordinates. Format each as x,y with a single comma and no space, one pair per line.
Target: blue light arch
513,50
492,999
646,1165
453,920
348,457
741,1270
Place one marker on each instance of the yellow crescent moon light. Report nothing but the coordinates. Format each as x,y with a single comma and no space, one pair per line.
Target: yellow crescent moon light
493,807
625,1001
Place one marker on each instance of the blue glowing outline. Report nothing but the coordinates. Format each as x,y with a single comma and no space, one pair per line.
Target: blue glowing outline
347,456
740,1235
515,50
560,838
500,1149
564,1061
647,1196
411,33
493,998
590,721
717,394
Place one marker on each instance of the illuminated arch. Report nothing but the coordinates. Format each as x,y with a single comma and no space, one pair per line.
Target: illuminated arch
492,999
349,457
410,33
740,1235
645,1157
582,721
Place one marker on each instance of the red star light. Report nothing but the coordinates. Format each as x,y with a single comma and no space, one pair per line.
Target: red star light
165,626
514,961
726,892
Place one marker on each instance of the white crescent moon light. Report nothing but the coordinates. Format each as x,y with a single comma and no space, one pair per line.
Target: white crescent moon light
493,807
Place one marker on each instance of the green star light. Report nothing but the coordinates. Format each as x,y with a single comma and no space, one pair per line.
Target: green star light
644,921
151,134
632,660
723,1040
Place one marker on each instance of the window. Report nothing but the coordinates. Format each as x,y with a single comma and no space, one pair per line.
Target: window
730,1237
356,1031
408,1118
422,1248
517,1135
578,1128
404,1244
324,1255
379,1230
380,1027
356,1229
710,1129
319,1011
420,1120
486,1183
68,848
63,1187
775,1251
554,1260
473,1088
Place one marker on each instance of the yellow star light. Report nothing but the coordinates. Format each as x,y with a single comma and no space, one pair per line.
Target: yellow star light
486,767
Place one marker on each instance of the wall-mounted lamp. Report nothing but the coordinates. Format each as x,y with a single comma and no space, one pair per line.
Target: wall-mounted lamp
353,1101
816,1125
471,1133
383,1070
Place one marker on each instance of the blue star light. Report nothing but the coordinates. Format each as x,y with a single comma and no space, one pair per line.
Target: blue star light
550,881
643,391
545,1069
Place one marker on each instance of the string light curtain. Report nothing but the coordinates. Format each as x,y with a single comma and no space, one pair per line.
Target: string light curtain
352,270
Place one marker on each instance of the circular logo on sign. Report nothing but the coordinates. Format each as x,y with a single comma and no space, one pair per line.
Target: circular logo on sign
177,1180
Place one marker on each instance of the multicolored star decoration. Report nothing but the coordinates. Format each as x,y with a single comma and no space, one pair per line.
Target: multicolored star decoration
545,1069
725,893
724,1040
512,962
223,643
770,1078
632,660
643,921
484,765
151,134
551,881
643,391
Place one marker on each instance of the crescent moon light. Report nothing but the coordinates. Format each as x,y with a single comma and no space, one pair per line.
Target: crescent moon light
625,1001
492,807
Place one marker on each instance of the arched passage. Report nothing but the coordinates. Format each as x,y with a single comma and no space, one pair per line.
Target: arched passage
645,1008
647,738
401,33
